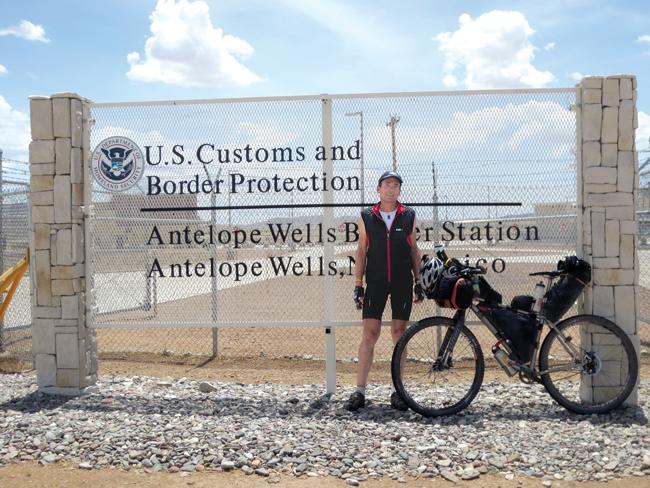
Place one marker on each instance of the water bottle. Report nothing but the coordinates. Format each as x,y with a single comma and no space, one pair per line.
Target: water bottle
538,296
504,361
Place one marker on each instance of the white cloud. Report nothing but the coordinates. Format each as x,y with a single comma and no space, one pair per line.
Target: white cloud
493,51
3,70
644,39
509,128
186,49
15,132
576,76
549,47
643,132
450,80
26,30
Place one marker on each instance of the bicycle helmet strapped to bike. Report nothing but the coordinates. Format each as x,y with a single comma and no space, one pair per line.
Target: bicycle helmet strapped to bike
430,273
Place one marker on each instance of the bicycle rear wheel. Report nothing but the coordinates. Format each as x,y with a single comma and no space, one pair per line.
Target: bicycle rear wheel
429,387
595,371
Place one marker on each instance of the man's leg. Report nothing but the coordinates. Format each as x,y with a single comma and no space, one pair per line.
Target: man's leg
397,329
401,302
371,331
374,302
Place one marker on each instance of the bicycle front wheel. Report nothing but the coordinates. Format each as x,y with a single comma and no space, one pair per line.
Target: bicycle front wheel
588,364
428,386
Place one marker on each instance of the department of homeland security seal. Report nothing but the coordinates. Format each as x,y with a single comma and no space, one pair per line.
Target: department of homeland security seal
117,163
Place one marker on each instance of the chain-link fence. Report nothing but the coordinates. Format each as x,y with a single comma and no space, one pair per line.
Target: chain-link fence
643,247
15,333
238,226
450,148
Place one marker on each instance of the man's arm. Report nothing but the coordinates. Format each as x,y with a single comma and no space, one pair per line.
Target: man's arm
415,254
415,266
360,258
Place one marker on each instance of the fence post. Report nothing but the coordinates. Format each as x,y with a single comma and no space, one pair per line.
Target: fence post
328,251
63,345
214,288
607,192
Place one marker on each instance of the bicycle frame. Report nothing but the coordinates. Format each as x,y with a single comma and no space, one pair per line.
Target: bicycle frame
451,336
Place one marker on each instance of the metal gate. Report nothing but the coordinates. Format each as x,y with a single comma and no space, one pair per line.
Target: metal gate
242,189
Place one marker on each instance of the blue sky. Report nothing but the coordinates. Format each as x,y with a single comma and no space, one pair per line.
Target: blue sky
128,50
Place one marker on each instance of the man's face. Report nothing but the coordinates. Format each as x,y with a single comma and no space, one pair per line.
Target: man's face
389,190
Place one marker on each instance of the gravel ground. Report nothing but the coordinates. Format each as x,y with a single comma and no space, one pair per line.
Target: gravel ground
273,429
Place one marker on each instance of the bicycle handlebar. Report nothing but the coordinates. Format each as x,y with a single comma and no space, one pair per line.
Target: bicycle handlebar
467,271
474,271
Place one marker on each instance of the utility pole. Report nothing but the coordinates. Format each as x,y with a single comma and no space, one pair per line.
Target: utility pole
436,237
436,218
394,119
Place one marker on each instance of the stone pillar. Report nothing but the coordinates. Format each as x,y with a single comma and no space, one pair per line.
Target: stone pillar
64,347
607,190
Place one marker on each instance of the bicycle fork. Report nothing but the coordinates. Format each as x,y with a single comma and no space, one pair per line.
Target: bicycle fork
444,358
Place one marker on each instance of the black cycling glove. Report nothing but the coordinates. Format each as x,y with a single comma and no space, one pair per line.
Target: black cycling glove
358,296
418,292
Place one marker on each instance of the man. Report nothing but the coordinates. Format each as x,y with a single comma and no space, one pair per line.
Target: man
388,255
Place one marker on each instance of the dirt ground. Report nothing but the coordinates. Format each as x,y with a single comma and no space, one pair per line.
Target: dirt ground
27,475
249,370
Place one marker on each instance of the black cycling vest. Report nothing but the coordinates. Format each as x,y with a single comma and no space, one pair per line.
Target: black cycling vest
388,254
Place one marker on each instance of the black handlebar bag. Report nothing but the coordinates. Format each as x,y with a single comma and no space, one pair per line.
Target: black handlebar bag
453,291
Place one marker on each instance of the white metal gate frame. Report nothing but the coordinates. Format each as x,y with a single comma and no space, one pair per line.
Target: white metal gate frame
328,324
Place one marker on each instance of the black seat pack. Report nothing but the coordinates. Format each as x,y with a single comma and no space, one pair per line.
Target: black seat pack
576,274
487,293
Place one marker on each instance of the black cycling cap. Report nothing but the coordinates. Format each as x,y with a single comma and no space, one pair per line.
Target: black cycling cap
390,174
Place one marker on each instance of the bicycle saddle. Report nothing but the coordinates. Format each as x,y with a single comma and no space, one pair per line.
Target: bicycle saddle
550,274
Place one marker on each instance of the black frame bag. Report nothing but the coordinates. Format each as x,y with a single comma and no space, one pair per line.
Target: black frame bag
517,329
522,302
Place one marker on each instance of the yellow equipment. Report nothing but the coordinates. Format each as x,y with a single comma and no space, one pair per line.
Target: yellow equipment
9,282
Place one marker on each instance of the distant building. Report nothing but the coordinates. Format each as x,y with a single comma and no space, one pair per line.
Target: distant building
555,208
119,222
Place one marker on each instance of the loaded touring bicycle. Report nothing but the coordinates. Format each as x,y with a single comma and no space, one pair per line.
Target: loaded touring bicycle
586,362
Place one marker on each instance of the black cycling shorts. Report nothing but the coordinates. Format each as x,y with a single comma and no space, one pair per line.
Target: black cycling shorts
376,295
